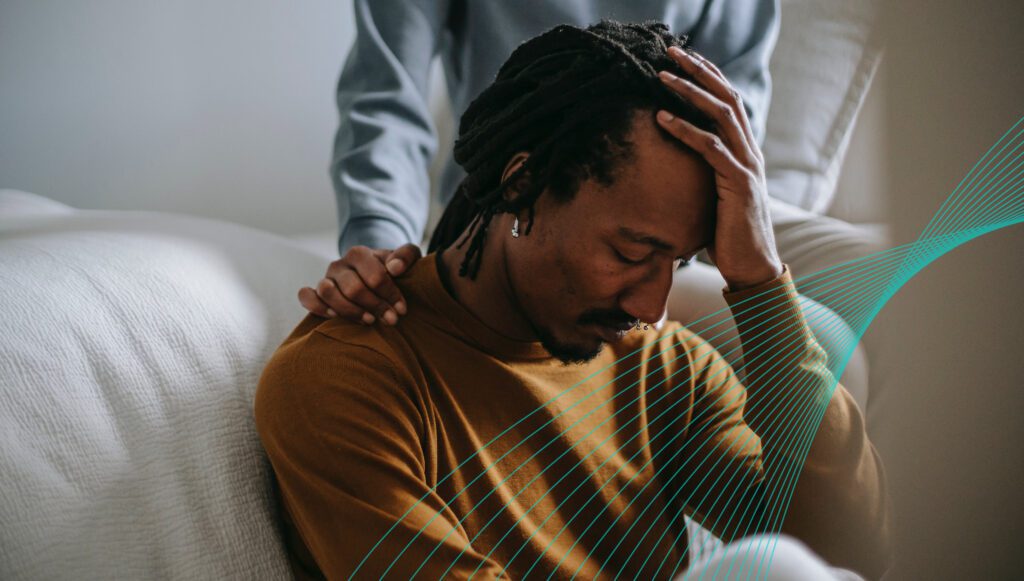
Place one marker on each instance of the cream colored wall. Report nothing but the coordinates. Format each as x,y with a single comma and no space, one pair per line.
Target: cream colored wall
953,444
222,109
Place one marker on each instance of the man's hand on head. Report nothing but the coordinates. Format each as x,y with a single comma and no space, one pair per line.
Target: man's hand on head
744,245
360,287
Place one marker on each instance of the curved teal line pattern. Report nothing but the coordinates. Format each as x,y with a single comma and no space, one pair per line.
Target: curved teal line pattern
988,198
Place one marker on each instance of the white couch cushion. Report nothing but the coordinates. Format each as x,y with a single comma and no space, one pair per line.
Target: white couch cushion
131,346
825,58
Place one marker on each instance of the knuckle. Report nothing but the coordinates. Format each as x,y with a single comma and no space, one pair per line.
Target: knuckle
327,294
324,287
752,181
348,286
361,295
713,142
374,279
360,250
726,111
735,95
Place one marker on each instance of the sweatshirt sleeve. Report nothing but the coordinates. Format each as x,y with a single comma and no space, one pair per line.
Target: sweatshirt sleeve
739,37
386,136
346,439
806,420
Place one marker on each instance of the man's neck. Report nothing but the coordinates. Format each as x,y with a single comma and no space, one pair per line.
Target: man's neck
490,296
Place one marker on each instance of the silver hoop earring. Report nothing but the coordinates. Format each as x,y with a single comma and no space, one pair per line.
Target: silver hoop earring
515,228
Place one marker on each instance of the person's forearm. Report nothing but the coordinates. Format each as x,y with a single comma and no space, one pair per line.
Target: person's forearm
839,506
386,138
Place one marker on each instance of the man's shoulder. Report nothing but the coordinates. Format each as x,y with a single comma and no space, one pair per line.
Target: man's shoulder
331,371
334,340
325,358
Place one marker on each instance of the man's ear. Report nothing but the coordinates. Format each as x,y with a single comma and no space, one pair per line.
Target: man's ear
512,167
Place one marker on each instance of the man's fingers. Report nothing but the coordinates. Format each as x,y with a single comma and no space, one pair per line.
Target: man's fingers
341,308
379,281
367,283
723,114
352,287
710,78
708,145
328,292
678,53
402,258
312,303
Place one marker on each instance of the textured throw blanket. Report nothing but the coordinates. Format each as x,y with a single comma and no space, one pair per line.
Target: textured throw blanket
130,347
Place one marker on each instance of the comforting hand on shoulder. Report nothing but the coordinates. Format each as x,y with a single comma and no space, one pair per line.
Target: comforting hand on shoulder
359,286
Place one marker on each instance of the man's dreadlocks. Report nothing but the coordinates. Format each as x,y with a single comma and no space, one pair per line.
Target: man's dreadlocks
567,97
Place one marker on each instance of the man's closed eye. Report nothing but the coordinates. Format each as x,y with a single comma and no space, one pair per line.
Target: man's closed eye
627,260
679,262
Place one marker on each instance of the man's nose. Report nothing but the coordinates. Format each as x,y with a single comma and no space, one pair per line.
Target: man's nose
648,298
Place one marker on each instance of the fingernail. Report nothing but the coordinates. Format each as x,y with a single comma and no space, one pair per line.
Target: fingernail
667,76
393,265
390,317
331,313
665,116
368,318
675,50
400,307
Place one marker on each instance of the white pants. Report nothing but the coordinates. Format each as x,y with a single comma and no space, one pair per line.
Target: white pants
769,557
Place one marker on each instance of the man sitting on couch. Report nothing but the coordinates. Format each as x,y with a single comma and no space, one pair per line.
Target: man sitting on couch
512,424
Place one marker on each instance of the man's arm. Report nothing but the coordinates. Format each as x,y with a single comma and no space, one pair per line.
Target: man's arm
739,36
840,506
346,440
744,447
386,137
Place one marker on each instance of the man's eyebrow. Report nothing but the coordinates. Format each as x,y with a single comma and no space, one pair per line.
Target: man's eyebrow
643,238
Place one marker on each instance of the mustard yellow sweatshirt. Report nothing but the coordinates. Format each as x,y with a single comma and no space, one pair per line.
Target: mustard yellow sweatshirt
439,448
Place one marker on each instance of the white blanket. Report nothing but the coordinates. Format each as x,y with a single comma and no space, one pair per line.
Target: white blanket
131,346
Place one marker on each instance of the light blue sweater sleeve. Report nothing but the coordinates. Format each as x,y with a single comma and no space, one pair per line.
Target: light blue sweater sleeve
386,137
739,37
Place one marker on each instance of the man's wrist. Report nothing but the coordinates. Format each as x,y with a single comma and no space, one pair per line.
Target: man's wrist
755,278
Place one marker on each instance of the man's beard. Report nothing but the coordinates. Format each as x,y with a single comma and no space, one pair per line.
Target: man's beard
567,353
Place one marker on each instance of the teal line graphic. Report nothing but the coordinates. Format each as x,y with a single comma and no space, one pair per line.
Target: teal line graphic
723,486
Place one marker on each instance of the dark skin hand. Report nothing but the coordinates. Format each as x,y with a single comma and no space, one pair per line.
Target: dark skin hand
360,286
744,243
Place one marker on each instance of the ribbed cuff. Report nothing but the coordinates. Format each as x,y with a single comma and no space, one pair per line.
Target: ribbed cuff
773,305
